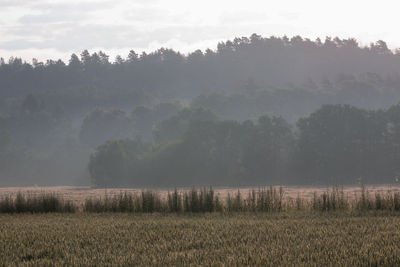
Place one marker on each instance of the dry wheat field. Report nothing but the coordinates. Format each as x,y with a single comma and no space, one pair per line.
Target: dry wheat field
345,227
208,240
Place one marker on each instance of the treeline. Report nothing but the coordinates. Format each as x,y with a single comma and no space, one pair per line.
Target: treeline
242,64
337,144
368,91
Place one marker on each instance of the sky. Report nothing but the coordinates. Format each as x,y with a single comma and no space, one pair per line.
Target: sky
45,29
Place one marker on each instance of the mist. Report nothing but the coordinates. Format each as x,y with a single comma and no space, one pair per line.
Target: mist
207,117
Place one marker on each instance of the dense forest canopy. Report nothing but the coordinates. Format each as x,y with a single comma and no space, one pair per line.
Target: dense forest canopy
336,144
248,112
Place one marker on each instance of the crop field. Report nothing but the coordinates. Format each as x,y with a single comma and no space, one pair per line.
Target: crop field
200,227
118,239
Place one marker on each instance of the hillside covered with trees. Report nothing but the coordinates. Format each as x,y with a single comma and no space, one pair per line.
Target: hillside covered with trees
254,111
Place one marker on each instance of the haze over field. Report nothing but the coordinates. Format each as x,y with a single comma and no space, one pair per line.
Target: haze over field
175,133
150,93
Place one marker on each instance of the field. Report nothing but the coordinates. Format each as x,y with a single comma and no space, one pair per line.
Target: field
210,239
268,227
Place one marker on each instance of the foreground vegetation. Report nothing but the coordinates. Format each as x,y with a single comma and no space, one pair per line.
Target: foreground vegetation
213,239
205,200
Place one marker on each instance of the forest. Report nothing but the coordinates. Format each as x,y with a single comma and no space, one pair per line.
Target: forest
337,144
255,111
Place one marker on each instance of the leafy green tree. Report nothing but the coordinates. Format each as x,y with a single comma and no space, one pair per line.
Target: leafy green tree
116,161
108,164
267,150
75,63
213,153
392,141
331,144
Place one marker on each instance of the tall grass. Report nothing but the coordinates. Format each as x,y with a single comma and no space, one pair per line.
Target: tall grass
205,200
30,203
146,201
331,200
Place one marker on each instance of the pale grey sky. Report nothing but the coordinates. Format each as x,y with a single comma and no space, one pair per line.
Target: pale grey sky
55,29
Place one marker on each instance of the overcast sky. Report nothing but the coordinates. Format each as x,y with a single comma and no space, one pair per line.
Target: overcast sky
54,29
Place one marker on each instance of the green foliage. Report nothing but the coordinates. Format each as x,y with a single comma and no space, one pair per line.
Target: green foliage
175,127
336,144
43,104
114,161
145,119
210,152
340,143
